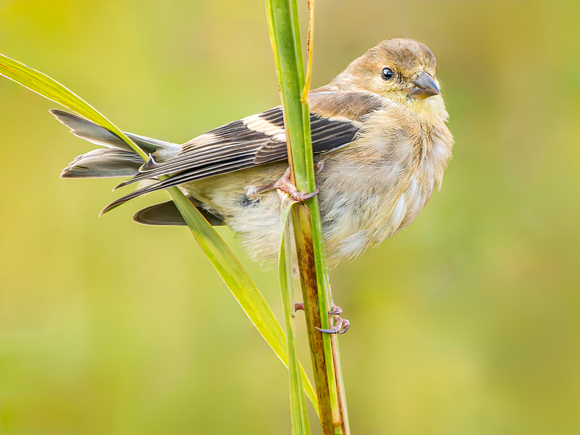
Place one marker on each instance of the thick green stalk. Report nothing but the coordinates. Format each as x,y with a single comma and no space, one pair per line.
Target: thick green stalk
299,414
284,35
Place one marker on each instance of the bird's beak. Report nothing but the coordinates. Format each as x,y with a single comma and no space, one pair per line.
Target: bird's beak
423,87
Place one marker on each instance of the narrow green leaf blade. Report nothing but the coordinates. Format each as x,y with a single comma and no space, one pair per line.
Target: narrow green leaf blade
49,88
239,282
233,275
229,268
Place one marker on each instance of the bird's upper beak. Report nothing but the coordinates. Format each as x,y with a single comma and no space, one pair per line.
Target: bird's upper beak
423,87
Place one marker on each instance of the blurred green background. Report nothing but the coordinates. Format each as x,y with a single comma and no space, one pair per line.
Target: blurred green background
467,322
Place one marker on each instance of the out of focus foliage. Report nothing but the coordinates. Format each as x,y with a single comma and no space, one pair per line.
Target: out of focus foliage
467,322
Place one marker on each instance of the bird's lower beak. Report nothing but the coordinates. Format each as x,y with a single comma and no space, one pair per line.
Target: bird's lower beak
424,87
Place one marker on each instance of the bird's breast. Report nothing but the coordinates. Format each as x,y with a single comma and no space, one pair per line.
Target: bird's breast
370,193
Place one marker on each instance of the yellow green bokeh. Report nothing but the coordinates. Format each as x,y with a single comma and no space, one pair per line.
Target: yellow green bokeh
465,323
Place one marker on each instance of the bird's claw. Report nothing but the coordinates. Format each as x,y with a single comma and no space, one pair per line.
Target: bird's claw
300,196
340,328
285,185
340,325
335,310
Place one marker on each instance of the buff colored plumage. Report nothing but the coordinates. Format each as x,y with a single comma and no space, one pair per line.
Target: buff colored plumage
379,128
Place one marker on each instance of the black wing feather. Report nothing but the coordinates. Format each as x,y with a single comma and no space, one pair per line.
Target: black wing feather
235,146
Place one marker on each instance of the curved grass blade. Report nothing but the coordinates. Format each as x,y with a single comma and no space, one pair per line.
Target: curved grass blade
239,283
49,88
223,260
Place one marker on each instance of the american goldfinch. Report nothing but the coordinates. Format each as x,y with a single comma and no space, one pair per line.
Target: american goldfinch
379,136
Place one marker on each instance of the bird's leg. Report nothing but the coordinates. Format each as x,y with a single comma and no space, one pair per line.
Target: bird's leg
340,325
285,185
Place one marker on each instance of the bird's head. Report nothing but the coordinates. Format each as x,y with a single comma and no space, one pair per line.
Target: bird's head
401,70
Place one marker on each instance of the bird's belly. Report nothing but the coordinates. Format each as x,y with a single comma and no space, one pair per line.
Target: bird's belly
255,220
355,215
352,224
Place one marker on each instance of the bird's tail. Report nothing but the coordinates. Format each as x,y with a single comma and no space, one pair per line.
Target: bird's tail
116,159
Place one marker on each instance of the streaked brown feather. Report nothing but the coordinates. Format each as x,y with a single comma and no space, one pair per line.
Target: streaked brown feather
236,146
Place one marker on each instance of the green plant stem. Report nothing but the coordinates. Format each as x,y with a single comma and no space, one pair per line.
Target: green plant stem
284,35
311,297
299,414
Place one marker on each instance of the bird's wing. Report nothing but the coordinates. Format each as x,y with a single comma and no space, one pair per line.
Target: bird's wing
335,120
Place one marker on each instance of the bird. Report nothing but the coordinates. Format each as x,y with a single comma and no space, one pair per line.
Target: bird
380,141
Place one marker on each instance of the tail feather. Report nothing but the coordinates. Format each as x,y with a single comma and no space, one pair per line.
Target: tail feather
90,131
103,163
98,135
166,213
116,160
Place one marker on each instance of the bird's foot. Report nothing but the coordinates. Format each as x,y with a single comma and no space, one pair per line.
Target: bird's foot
340,325
285,185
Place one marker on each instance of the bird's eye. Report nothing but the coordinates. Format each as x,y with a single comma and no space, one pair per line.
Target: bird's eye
387,73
